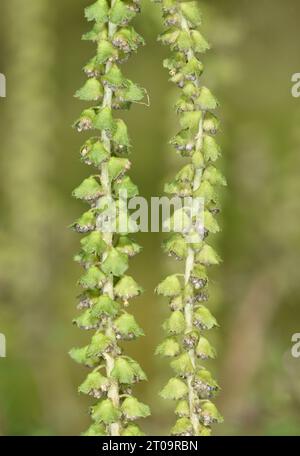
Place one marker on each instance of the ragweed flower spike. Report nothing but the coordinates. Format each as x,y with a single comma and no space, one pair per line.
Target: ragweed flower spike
104,252
192,386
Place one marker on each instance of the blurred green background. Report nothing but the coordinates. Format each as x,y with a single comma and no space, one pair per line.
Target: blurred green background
255,292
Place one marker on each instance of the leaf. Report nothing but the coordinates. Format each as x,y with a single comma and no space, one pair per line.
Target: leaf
120,14
210,148
104,120
132,93
183,365
100,344
91,91
169,287
105,412
94,153
86,320
106,51
175,389
191,12
120,136
127,328
204,350
93,243
81,356
95,382
200,44
127,371
97,11
211,124
210,224
207,256
95,430
132,430
183,427
116,263
105,306
127,246
125,188
214,176
169,347
206,100
190,120
175,324
127,288
114,77
203,319
88,190
176,246
182,409
210,414
117,167
132,409
85,223
93,278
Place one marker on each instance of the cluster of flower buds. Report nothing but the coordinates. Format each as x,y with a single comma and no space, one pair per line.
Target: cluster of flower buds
192,386
104,254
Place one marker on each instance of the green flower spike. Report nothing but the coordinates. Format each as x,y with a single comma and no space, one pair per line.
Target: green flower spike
192,385
105,254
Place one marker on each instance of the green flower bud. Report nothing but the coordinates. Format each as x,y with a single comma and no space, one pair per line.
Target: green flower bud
175,389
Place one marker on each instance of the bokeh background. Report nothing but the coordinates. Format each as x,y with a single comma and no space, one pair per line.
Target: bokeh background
255,292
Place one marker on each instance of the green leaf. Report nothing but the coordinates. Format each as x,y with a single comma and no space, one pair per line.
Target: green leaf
105,412
106,52
86,320
93,278
97,11
206,100
88,190
105,306
95,430
203,319
204,350
117,167
175,389
104,120
114,77
210,148
191,120
94,153
131,431
127,246
183,365
211,124
132,409
176,245
127,328
81,356
116,263
95,384
207,256
210,223
93,243
131,93
100,344
169,287
183,427
127,371
127,288
91,91
210,414
169,347
198,160
200,44
191,12
120,13
120,136
214,176
85,223
125,186
175,324
127,39
182,409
